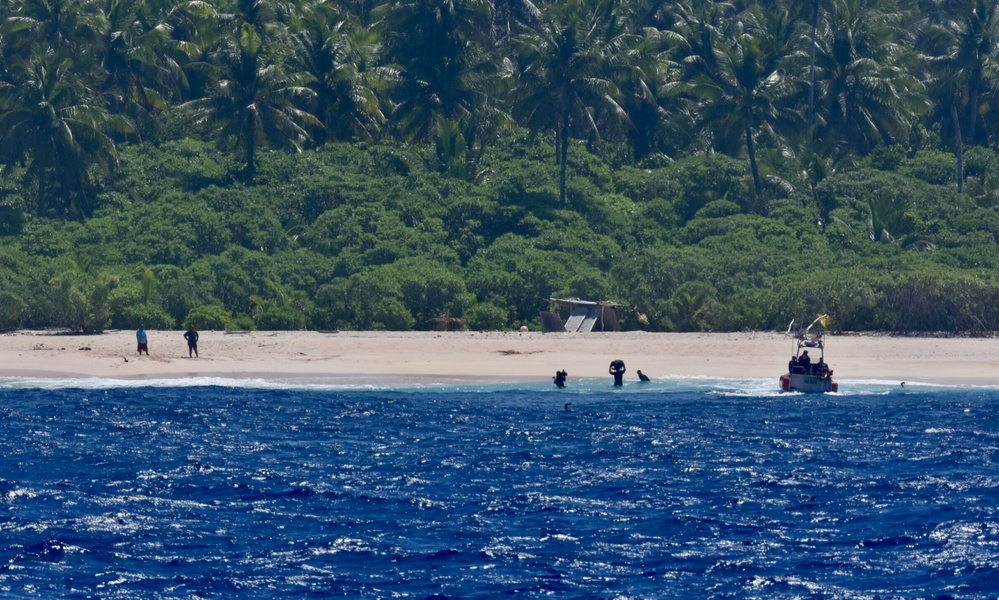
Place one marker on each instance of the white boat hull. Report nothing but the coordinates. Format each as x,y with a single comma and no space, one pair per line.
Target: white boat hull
807,384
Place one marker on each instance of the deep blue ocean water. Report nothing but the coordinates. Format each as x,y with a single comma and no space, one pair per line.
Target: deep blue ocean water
673,489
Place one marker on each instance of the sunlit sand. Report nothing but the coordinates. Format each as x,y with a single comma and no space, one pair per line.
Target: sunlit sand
490,356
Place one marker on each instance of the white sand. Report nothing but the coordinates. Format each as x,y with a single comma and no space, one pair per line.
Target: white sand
489,356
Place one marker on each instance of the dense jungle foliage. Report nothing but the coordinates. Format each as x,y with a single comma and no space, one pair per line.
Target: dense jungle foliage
410,164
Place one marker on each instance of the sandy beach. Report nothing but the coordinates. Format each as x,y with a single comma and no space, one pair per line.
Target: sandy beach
488,356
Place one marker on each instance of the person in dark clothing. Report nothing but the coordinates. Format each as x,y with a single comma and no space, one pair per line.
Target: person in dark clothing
805,360
192,342
617,369
642,376
560,378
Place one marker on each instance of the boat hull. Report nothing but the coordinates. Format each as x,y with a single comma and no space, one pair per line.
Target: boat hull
807,384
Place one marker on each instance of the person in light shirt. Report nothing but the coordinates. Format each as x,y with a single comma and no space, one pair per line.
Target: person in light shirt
142,340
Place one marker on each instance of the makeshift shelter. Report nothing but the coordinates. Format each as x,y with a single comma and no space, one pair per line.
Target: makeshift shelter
584,316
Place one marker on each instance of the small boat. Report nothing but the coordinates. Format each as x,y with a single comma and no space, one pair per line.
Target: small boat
804,374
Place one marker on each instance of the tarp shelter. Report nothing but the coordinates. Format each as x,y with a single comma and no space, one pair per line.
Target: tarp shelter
584,316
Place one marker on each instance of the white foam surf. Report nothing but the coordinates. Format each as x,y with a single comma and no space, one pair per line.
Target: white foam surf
756,387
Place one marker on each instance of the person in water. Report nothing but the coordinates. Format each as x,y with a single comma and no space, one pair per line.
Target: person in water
642,376
192,342
560,378
142,340
617,370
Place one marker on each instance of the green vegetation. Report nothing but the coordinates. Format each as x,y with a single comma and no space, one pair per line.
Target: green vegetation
427,163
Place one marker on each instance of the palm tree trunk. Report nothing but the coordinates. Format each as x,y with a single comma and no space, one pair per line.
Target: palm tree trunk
563,157
811,65
960,147
251,154
974,86
757,184
42,192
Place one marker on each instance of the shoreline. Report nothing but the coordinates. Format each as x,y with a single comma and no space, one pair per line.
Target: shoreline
488,357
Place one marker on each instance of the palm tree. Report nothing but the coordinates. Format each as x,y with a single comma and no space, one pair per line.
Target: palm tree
255,102
960,39
566,77
694,27
641,94
509,15
138,70
811,62
639,53
740,87
692,306
807,15
70,26
438,47
198,33
348,84
867,94
53,123
887,220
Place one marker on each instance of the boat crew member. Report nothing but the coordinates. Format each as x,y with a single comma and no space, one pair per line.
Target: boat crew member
805,360
822,370
642,376
560,378
617,369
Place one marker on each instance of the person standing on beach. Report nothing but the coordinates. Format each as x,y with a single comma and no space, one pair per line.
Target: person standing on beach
192,341
142,340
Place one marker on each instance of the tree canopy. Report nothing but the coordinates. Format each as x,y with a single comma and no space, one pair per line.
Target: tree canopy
710,165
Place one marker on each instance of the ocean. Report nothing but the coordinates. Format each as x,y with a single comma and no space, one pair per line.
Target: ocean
678,488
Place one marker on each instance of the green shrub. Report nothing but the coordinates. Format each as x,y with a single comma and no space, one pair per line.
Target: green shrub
242,323
80,302
932,167
149,316
331,305
717,209
12,311
485,316
887,158
11,219
280,318
209,317
430,290
589,284
693,306
372,299
388,314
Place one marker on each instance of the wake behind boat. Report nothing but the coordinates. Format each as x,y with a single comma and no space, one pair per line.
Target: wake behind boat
804,375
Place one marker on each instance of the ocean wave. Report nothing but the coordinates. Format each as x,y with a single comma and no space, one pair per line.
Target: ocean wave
735,387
